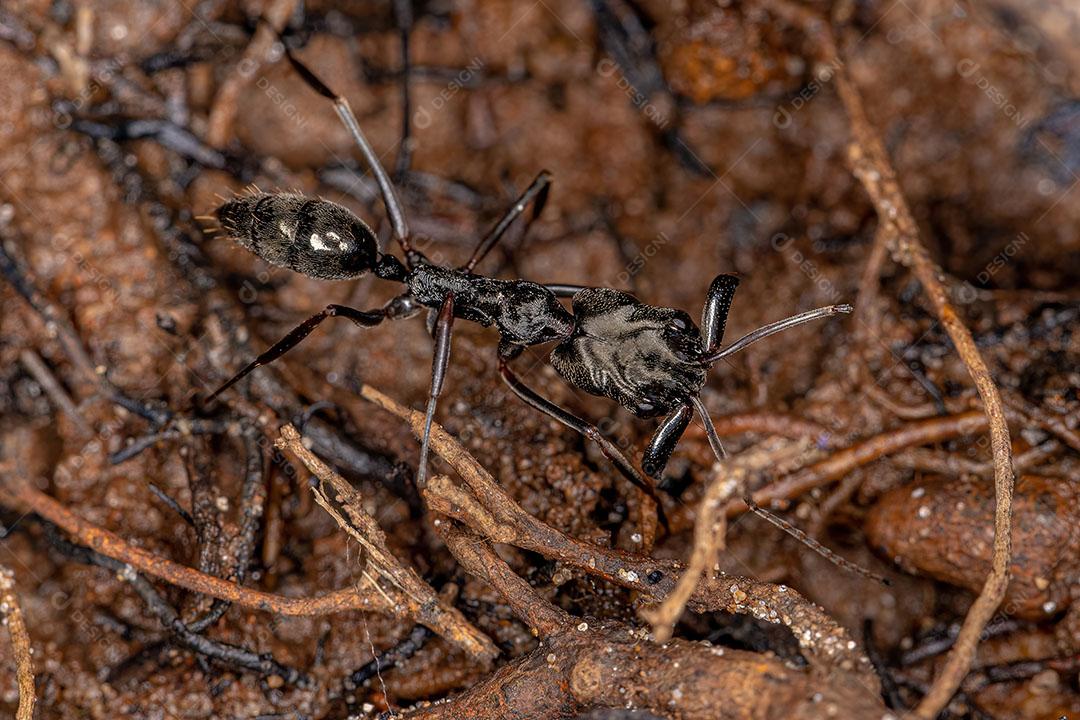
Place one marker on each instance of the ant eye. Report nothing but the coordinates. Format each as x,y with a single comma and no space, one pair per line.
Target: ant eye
645,407
677,324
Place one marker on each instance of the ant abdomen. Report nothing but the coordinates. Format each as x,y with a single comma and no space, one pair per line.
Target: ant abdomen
318,238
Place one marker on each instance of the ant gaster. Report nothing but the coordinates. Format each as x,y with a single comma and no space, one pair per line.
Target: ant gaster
652,360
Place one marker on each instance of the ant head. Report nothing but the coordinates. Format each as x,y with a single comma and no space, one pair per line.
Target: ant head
671,374
644,357
679,333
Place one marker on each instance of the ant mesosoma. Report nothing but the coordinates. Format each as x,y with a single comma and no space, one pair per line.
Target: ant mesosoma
651,360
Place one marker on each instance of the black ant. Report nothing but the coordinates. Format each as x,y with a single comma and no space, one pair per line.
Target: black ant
651,360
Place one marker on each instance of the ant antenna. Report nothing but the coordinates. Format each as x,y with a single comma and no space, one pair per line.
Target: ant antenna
811,543
831,556
773,328
710,429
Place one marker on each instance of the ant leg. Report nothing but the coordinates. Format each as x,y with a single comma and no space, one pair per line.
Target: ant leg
537,193
531,397
341,106
364,318
717,304
403,15
443,327
773,328
664,441
565,291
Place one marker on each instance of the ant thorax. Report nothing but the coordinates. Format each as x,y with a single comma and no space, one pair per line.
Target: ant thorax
524,312
644,357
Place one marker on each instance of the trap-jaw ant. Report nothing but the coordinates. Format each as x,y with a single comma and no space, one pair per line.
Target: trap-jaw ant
652,360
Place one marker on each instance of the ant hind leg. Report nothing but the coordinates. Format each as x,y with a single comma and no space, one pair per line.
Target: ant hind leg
364,318
348,119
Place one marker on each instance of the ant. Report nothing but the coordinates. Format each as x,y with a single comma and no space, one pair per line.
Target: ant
651,360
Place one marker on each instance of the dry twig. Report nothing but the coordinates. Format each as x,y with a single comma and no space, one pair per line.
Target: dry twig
345,505
581,664
21,494
710,529
899,233
486,508
220,124
843,462
12,617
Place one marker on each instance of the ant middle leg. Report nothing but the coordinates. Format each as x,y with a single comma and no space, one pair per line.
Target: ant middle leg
590,431
536,193
440,361
363,318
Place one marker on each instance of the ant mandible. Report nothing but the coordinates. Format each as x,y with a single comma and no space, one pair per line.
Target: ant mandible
652,360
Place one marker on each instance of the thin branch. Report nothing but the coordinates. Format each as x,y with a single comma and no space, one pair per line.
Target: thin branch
52,387
21,494
219,126
710,529
843,462
477,557
12,617
492,512
185,634
871,165
345,505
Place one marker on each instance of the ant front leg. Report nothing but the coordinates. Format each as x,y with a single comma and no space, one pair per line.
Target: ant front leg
363,318
664,441
590,431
